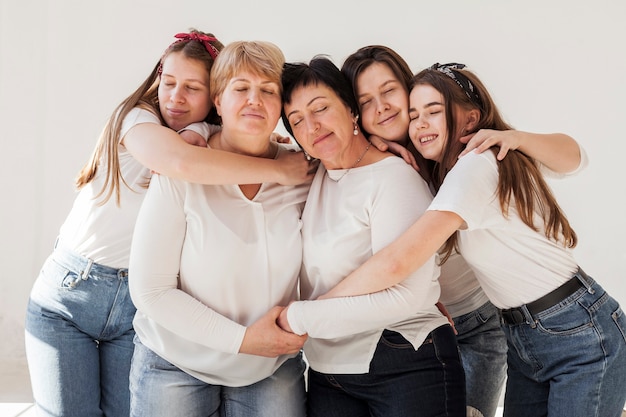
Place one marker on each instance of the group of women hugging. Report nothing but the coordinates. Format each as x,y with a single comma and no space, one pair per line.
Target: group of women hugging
405,254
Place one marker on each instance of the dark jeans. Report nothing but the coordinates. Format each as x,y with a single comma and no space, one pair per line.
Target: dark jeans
401,381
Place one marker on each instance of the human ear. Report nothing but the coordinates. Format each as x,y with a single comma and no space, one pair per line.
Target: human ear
218,104
471,120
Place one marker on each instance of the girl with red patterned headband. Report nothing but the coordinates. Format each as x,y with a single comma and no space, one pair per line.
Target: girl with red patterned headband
79,333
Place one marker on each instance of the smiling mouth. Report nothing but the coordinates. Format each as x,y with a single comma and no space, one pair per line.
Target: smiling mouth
426,139
319,139
388,119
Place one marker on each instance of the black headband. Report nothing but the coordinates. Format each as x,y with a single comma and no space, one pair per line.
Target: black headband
461,80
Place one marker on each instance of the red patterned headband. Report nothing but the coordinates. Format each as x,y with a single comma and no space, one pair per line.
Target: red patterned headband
206,40
193,36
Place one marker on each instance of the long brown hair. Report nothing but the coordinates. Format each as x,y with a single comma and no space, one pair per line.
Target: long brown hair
518,174
146,96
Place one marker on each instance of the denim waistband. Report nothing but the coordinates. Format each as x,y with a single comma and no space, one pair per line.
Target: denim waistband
83,266
517,315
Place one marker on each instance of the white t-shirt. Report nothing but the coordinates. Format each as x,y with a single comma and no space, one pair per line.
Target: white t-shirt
205,263
460,290
513,263
103,232
344,223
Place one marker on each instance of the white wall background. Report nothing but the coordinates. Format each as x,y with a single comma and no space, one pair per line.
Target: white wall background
551,65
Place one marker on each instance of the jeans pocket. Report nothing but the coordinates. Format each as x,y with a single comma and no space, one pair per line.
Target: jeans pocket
395,340
620,321
487,312
568,320
57,276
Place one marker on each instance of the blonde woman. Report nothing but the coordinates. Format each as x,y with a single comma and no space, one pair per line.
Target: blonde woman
210,264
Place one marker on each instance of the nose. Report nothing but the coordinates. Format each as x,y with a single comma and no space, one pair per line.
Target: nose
254,97
420,122
177,95
311,124
416,125
382,106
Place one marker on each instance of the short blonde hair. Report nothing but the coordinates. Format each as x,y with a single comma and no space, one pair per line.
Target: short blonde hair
259,57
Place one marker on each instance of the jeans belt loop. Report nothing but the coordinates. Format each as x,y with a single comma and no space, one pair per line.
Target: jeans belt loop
585,280
85,273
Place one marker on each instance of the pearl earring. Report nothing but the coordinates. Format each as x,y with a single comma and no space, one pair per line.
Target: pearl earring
356,127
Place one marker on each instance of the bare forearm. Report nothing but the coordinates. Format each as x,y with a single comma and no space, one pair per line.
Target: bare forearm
212,166
405,255
557,151
164,151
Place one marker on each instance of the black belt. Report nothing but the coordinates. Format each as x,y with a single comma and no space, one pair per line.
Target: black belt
516,315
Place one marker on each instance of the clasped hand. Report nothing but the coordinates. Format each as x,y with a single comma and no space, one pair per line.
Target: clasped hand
265,337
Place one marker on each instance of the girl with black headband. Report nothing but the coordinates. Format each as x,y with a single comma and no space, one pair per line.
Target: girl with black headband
380,78
79,333
565,334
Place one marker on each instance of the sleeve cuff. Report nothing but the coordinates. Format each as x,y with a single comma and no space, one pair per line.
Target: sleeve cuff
293,312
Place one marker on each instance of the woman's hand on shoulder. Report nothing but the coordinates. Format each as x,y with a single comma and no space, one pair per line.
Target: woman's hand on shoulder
193,138
295,168
486,138
384,145
277,137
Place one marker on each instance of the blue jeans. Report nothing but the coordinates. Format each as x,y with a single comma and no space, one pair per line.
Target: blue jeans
482,344
160,389
79,338
570,359
401,381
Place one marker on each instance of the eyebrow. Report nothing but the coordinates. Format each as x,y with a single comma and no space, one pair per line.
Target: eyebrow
307,105
247,80
381,86
186,79
431,104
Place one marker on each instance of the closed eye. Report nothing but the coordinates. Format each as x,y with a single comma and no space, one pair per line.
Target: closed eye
364,103
295,122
